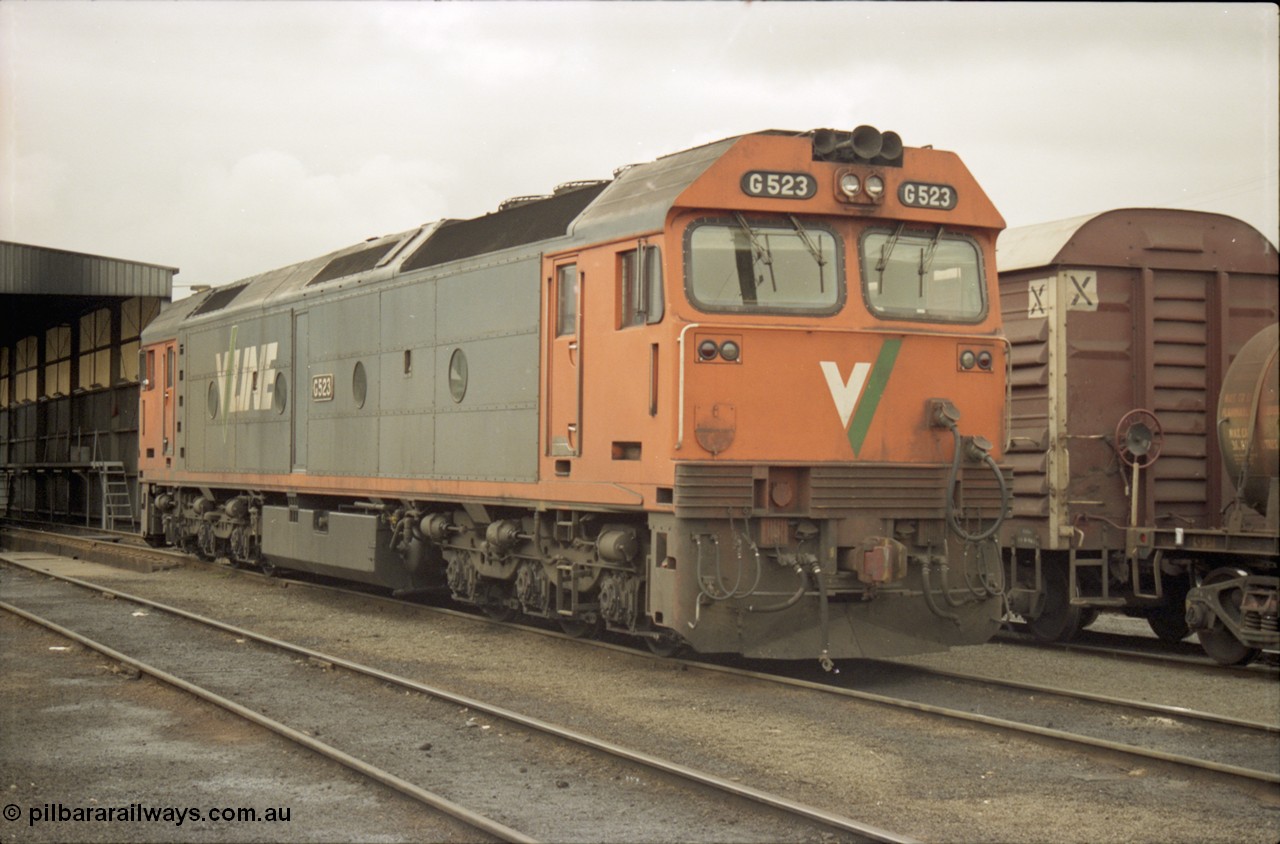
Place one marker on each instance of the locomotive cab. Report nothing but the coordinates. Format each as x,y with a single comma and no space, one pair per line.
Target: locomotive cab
812,398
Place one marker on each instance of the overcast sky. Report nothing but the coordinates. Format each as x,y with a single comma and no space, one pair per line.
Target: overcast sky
230,138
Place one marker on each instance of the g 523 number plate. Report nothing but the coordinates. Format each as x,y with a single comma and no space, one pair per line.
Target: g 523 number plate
925,195
322,387
779,185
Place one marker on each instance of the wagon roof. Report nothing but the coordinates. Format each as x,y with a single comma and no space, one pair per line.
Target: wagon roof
1135,237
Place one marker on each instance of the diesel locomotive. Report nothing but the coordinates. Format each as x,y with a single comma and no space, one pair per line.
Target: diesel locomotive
749,397
1144,407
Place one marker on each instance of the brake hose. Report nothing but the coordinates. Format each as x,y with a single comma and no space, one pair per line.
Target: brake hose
953,481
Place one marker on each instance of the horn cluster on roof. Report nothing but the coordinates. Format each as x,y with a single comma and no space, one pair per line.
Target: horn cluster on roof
864,145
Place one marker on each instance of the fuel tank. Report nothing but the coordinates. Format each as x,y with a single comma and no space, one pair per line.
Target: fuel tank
1248,421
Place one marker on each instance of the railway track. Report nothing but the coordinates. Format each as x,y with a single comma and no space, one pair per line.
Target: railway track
1143,649
1238,748
128,549
303,694
1241,749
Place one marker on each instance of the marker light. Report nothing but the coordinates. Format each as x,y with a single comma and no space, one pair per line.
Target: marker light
850,184
729,350
707,350
875,187
967,359
984,360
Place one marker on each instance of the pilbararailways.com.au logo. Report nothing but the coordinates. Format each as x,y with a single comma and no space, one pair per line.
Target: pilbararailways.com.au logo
142,813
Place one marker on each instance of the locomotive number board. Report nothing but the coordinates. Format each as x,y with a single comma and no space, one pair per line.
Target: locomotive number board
779,185
322,387
925,195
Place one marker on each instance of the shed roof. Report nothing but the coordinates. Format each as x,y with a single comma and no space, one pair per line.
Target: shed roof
41,271
40,287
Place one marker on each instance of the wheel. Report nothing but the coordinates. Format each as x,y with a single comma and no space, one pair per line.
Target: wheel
578,629
1088,615
1169,621
499,612
1219,643
1170,624
1226,649
665,645
1058,620
496,604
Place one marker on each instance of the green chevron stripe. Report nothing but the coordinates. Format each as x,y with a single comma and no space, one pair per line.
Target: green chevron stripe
876,382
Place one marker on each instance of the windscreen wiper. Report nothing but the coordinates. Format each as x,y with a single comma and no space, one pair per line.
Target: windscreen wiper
813,250
926,258
759,251
887,249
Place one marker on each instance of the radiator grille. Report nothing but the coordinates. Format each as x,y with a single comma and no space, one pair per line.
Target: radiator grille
904,491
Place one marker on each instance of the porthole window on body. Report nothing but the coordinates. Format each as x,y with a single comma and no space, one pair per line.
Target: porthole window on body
458,375
280,393
213,400
359,384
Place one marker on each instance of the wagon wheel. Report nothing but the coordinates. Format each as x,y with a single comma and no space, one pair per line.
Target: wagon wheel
1169,620
1219,643
1059,620
1138,438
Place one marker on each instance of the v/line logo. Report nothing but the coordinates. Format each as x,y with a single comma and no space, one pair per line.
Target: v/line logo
858,396
247,375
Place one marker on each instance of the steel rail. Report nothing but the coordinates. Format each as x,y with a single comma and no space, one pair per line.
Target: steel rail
1007,725
1202,662
676,769
435,801
985,720
1145,706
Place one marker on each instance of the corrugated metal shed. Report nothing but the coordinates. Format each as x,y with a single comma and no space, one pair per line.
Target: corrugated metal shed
40,287
40,271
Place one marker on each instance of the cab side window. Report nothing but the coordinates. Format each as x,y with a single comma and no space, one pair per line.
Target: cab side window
640,287
567,300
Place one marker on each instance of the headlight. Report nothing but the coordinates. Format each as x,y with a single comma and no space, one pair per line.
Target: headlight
875,187
850,184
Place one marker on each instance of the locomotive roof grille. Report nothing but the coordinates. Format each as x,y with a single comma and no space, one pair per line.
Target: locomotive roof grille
218,299
528,223
352,263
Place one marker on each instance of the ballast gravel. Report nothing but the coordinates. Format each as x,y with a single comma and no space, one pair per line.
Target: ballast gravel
911,773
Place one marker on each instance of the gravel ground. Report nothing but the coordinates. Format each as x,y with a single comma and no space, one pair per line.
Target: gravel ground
77,734
910,773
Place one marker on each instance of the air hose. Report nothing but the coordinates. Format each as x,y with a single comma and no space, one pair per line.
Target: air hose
977,451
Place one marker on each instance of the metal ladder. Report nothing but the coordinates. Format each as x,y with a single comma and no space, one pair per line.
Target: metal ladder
117,503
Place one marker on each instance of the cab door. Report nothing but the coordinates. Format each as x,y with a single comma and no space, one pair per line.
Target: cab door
564,363
157,405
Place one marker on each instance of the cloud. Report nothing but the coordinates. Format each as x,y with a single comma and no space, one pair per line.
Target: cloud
230,138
